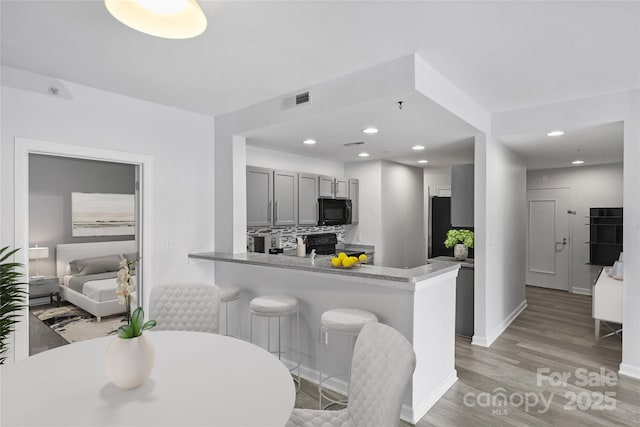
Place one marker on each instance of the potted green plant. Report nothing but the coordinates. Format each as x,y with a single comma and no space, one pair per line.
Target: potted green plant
460,241
130,356
12,297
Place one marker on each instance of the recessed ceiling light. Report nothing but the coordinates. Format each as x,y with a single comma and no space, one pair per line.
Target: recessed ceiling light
363,154
556,133
309,141
423,161
577,162
370,130
418,147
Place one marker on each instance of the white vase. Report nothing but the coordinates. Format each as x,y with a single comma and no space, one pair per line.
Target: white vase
460,252
130,361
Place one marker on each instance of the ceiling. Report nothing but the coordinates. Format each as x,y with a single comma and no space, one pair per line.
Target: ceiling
447,139
597,144
505,55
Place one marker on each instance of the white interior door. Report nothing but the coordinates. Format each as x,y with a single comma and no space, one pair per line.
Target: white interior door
548,238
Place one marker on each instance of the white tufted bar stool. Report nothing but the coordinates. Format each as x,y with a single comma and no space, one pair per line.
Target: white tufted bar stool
347,322
228,294
277,306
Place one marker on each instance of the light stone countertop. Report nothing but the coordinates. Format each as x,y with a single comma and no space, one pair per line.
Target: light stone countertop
322,264
467,263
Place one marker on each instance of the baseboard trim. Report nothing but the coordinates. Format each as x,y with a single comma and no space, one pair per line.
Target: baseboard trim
629,370
414,415
490,338
479,341
581,291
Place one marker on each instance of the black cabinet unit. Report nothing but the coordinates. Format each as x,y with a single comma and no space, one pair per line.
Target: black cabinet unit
605,235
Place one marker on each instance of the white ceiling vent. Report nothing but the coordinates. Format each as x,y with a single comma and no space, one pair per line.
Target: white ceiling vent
296,100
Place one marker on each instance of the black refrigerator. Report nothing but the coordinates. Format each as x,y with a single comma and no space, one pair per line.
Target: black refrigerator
440,219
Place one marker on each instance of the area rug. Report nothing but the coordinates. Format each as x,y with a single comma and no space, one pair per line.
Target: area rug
74,324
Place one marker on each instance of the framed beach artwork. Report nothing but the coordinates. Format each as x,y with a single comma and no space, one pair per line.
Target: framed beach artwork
99,214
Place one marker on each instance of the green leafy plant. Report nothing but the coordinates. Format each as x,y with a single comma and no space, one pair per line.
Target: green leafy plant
12,297
459,236
137,324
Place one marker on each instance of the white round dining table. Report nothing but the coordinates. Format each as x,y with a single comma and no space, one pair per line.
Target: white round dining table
199,379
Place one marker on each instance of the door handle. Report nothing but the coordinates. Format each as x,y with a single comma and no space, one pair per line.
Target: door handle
269,211
563,243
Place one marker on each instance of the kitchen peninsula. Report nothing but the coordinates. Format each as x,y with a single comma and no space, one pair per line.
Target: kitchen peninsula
419,302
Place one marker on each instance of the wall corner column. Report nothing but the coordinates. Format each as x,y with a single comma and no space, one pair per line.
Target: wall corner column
480,241
230,188
630,365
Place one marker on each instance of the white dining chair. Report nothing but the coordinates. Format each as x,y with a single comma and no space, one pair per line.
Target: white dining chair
185,307
383,362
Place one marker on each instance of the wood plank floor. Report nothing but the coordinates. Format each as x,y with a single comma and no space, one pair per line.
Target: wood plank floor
555,332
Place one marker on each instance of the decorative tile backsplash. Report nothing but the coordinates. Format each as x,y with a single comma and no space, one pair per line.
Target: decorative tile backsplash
288,235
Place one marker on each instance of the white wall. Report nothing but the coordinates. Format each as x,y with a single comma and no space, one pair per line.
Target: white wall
589,187
403,216
180,142
369,229
265,158
436,179
500,232
391,212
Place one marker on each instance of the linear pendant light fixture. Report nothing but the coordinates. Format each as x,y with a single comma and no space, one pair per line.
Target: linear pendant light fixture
169,19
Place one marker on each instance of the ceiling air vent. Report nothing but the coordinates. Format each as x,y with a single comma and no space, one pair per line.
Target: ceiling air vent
302,98
353,144
296,100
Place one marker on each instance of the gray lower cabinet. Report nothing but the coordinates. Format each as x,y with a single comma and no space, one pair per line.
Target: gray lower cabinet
285,198
307,199
259,196
354,193
464,302
462,195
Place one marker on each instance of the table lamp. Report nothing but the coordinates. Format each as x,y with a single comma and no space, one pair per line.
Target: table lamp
38,253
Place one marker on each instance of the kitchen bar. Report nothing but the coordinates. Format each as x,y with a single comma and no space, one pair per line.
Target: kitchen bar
419,302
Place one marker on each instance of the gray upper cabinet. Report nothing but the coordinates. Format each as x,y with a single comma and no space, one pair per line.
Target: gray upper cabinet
462,196
325,186
354,195
334,188
341,188
259,197
307,199
285,198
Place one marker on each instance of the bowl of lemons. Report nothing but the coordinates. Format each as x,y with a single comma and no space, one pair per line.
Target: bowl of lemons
344,261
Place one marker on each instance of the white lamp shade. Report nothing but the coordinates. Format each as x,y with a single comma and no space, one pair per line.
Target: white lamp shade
170,19
38,252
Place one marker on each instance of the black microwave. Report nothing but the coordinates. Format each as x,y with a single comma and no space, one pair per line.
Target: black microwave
334,211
